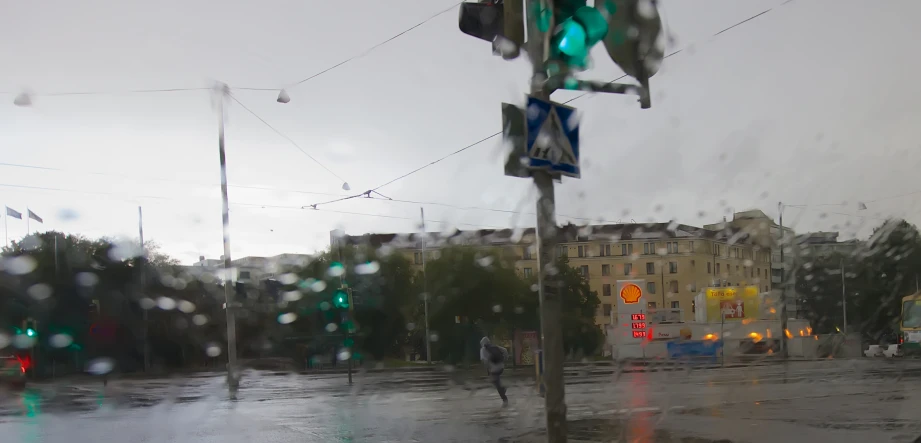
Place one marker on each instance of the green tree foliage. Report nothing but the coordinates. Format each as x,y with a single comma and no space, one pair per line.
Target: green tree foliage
581,336
886,268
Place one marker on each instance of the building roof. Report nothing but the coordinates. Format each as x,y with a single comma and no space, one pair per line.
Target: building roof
568,234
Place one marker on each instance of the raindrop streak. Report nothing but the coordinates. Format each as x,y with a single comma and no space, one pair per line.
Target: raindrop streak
20,265
40,291
166,303
213,350
332,327
292,296
288,279
23,341
100,366
87,279
199,320
60,340
146,303
335,270
344,355
287,318
368,268
186,306
4,340
318,286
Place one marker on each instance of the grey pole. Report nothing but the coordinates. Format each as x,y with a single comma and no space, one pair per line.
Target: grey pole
143,287
843,298
425,293
549,285
233,378
783,289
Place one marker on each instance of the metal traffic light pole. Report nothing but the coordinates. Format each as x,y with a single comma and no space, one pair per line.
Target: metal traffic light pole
547,234
233,379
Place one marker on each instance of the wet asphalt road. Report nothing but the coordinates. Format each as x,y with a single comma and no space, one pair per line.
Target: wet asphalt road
842,401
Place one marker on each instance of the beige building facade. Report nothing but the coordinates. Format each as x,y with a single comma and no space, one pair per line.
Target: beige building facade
676,261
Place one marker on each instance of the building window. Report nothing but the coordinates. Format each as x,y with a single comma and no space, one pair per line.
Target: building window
716,249
673,286
607,309
584,270
692,287
651,287
709,268
691,246
628,268
626,249
563,251
650,305
245,274
606,289
649,248
717,268
417,258
528,253
527,272
737,269
604,250
581,250
675,305
759,272
671,247
605,269
672,267
650,268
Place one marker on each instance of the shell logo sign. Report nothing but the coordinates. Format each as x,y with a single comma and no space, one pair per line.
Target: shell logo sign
631,293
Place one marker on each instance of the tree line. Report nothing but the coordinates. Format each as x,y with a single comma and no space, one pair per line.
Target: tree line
107,297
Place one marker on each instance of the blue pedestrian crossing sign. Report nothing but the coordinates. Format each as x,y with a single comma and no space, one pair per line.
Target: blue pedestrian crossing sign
552,137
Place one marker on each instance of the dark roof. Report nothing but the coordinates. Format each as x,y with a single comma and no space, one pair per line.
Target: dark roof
568,234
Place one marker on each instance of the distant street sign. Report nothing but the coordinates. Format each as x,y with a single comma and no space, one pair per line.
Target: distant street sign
552,137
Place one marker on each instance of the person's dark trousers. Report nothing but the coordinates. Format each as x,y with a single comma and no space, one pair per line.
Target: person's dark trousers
494,377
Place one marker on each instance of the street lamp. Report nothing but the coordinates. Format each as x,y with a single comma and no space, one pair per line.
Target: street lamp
283,97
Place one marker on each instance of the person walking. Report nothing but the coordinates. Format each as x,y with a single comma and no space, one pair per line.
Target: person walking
493,358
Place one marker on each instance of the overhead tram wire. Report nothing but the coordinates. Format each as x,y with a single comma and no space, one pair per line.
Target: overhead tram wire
747,19
163,179
133,199
289,139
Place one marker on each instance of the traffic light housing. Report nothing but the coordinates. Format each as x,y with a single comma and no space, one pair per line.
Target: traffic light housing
578,29
633,39
500,22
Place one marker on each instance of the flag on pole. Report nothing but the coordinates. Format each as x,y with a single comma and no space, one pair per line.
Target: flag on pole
13,213
34,216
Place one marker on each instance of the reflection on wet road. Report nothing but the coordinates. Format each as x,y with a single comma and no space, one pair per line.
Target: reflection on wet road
843,401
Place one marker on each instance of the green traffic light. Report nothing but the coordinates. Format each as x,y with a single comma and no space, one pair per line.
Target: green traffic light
577,33
30,332
341,299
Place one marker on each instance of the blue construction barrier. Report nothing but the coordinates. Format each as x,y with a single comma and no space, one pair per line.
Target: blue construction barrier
696,350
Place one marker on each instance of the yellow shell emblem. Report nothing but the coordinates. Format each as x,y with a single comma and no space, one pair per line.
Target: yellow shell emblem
631,294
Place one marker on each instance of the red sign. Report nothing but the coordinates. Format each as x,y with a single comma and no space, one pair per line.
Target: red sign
639,334
640,325
635,317
732,308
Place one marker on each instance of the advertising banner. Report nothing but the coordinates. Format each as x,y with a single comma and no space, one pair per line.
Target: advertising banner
732,303
526,342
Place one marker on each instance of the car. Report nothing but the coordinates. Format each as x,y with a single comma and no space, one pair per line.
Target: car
12,371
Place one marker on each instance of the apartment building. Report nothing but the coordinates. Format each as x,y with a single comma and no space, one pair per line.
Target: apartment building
676,261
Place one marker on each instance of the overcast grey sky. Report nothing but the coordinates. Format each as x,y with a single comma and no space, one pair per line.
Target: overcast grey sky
811,103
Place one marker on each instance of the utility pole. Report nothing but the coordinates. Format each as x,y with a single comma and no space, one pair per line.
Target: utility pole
344,287
425,293
783,289
843,298
233,376
545,136
549,285
143,288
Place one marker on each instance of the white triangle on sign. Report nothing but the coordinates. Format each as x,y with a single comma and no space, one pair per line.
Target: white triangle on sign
552,144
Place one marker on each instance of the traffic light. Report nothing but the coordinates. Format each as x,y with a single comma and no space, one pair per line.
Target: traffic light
500,22
634,36
579,28
341,299
29,328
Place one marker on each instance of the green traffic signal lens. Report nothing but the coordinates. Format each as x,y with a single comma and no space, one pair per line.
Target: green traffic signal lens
594,24
571,39
30,332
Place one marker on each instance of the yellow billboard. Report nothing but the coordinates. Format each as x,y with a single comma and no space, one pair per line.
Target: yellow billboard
732,303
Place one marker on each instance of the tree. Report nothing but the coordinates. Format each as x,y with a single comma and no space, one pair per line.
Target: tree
474,292
581,336
877,276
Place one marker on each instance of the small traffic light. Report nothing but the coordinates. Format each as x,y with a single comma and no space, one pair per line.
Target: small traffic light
634,38
30,332
341,299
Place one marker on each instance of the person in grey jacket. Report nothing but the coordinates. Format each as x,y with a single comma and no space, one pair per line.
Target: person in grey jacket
493,358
